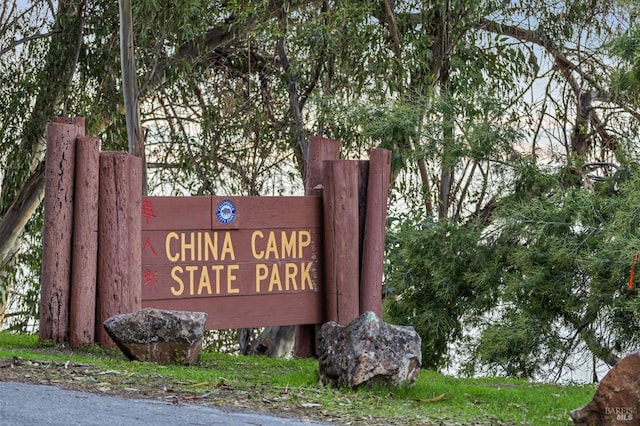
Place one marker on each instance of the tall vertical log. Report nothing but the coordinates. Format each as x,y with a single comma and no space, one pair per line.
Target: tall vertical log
341,240
374,234
320,150
84,265
58,228
119,239
137,186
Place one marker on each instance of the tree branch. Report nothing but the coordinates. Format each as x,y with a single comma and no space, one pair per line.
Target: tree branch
393,27
208,187
585,114
294,104
22,194
20,211
17,43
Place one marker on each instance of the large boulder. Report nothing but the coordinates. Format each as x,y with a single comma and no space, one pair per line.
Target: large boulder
156,335
368,351
617,399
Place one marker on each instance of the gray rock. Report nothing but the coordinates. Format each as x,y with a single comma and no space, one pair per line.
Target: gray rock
368,351
617,399
156,335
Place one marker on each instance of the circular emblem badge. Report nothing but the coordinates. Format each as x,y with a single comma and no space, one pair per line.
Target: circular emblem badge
226,212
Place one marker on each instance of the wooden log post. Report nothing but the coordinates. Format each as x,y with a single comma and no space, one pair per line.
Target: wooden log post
320,150
119,239
374,233
82,312
341,240
57,229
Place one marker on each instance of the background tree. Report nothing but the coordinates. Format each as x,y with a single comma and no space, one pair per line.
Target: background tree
37,69
494,111
579,120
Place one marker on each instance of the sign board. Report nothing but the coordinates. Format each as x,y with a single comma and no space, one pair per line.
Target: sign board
246,261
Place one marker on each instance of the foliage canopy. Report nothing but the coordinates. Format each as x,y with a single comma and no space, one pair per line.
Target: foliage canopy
513,127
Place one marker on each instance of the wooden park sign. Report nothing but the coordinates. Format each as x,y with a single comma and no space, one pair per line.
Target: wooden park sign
243,260
246,261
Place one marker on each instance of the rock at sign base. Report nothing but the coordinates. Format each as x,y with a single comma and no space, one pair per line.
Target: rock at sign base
368,350
617,399
156,335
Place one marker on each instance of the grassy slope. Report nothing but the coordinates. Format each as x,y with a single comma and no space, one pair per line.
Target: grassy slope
291,386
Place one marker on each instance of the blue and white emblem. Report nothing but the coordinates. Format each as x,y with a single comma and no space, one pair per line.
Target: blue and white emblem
226,212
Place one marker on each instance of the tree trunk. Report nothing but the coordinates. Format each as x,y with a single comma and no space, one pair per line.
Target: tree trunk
274,341
441,71
130,88
22,194
19,213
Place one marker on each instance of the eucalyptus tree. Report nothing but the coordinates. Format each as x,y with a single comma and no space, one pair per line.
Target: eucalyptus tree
39,45
567,236
471,97
563,290
522,86
626,48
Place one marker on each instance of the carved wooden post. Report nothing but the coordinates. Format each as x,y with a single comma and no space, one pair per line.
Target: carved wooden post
341,240
82,314
119,239
374,233
320,150
58,228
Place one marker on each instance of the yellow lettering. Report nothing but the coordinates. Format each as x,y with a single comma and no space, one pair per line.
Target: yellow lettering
191,245
167,244
291,271
272,247
288,245
174,271
191,269
304,239
256,254
211,246
262,272
199,250
306,276
230,278
217,269
275,278
227,247
204,281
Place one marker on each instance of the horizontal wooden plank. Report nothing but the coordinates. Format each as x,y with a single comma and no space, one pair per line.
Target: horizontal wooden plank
230,246
246,261
218,281
176,213
255,311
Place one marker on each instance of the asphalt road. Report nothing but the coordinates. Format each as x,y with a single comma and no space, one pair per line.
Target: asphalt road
38,405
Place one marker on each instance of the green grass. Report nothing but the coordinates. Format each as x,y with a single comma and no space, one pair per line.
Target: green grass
292,386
